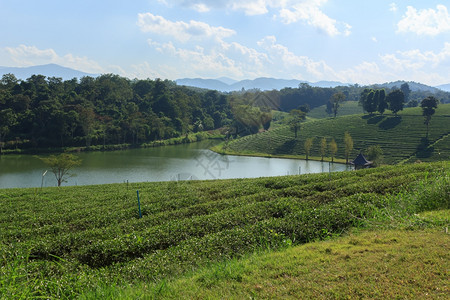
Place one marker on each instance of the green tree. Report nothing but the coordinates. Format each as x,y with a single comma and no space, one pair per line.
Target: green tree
333,149
296,117
382,104
323,147
363,98
395,99
308,144
348,141
406,91
372,101
429,104
335,101
375,155
61,164
7,119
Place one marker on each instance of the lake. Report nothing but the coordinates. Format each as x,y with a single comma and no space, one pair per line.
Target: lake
181,162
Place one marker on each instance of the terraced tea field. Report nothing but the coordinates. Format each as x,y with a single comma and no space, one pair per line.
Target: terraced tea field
401,138
62,242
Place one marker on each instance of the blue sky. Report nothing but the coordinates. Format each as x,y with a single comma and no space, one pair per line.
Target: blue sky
347,40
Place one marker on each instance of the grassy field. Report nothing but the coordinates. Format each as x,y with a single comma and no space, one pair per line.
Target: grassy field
345,109
402,138
89,241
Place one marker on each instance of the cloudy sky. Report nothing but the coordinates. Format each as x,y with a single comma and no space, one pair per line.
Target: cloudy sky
350,41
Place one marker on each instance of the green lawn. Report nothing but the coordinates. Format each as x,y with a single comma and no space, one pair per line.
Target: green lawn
69,241
402,138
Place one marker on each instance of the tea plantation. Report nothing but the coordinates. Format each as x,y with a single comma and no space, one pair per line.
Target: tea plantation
66,242
402,138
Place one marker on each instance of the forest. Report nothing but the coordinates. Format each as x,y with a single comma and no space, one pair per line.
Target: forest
44,112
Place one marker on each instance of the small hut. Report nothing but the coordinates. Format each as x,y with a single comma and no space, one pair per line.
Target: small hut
360,162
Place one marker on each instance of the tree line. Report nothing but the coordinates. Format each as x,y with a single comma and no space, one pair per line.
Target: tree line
42,112
109,109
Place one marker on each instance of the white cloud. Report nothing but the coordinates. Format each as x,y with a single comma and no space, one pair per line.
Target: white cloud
297,66
24,56
226,59
310,12
180,30
393,7
257,7
416,59
426,21
288,11
374,39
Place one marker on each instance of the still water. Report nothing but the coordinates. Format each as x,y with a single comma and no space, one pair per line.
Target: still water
180,162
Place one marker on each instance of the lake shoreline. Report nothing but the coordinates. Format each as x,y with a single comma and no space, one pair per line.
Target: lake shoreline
187,139
219,150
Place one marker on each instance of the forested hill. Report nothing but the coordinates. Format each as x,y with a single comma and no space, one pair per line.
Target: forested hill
109,109
42,112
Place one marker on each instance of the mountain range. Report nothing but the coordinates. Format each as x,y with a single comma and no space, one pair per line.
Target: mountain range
223,84
50,70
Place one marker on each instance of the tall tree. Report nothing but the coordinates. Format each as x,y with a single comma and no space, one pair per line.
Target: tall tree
372,101
308,144
296,117
335,101
7,119
323,147
333,149
382,104
395,99
363,98
428,105
406,91
348,141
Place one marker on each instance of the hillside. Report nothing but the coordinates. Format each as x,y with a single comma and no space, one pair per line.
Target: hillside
345,109
64,242
401,138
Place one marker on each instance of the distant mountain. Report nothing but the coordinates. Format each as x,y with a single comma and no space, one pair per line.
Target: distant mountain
262,83
211,84
444,87
50,70
413,86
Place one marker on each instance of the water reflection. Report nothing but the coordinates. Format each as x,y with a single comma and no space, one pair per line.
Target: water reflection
181,162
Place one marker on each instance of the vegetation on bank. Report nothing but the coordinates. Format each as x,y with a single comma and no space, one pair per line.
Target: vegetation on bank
402,138
69,241
188,138
47,112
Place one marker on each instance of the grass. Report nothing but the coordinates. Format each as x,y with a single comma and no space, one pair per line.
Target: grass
74,241
402,138
382,264
345,109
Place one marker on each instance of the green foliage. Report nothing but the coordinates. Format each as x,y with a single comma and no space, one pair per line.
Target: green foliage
296,118
333,149
61,164
72,239
336,101
395,100
428,106
308,144
399,137
375,155
348,144
107,110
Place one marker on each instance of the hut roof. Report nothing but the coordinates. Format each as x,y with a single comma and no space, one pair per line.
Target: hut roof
360,160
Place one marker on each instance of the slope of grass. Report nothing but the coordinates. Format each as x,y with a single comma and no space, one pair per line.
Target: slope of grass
401,138
381,264
62,242
345,109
